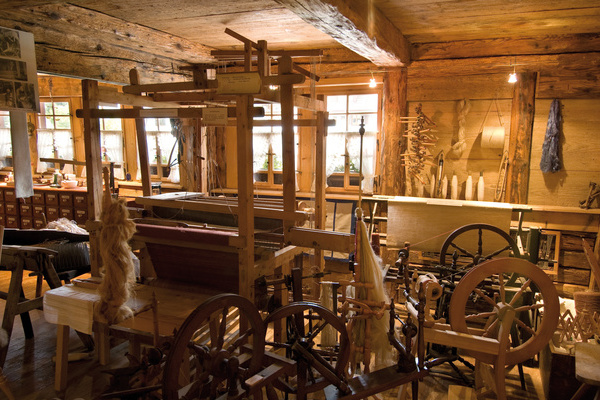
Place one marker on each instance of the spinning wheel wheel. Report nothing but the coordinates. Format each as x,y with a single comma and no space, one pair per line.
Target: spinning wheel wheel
487,283
317,366
471,244
208,357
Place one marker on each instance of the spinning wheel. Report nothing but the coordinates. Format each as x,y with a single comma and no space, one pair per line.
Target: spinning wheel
471,244
317,366
209,356
487,284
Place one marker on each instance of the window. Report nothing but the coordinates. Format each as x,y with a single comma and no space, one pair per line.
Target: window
343,140
267,148
111,141
162,149
5,140
54,135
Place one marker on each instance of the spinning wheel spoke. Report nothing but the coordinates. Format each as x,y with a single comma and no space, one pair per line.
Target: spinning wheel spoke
221,337
525,327
480,241
518,295
465,252
529,308
485,297
240,340
317,330
497,252
502,289
491,328
484,315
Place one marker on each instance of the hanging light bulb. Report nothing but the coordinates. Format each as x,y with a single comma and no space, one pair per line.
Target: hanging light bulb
372,81
512,78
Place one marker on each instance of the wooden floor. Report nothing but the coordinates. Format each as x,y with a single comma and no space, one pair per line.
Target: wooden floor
30,370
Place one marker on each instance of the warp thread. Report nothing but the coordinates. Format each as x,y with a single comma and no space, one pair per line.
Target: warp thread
550,161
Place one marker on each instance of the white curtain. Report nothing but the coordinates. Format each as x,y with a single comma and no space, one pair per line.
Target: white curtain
336,146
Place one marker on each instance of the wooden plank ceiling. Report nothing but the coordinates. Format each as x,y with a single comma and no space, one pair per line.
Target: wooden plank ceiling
103,39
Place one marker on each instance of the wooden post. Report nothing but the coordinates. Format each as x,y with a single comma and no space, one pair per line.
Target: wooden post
142,143
93,165
287,142
245,194
521,130
392,144
320,204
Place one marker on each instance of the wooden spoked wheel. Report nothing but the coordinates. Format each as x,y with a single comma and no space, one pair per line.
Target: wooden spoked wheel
210,356
474,241
485,288
317,366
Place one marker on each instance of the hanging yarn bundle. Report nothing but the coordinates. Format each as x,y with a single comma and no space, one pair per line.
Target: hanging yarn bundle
460,145
371,272
550,161
116,286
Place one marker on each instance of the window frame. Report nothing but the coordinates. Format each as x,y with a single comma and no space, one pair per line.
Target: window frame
161,169
347,175
271,172
42,115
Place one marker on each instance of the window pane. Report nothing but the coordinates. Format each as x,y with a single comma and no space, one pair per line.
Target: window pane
112,124
47,108
362,103
150,124
336,104
63,122
61,108
260,146
276,147
64,144
4,119
164,125
166,141
370,122
340,123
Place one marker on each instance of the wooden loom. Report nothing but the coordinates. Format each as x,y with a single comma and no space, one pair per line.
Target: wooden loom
201,91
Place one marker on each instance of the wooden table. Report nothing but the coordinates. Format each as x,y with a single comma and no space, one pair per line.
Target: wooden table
587,360
72,306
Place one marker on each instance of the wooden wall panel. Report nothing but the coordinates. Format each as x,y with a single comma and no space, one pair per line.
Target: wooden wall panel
475,158
580,155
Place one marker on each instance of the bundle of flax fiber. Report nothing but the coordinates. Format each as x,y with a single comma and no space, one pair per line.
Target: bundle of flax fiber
117,282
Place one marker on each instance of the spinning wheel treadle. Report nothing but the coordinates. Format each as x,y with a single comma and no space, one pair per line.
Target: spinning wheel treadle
475,251
218,360
487,282
317,367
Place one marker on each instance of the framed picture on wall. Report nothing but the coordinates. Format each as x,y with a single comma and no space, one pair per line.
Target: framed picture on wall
18,71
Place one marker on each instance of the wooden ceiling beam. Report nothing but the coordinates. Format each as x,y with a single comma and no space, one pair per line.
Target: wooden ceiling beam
557,44
358,25
89,42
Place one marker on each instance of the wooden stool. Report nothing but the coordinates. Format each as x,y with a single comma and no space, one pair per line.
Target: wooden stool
18,259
